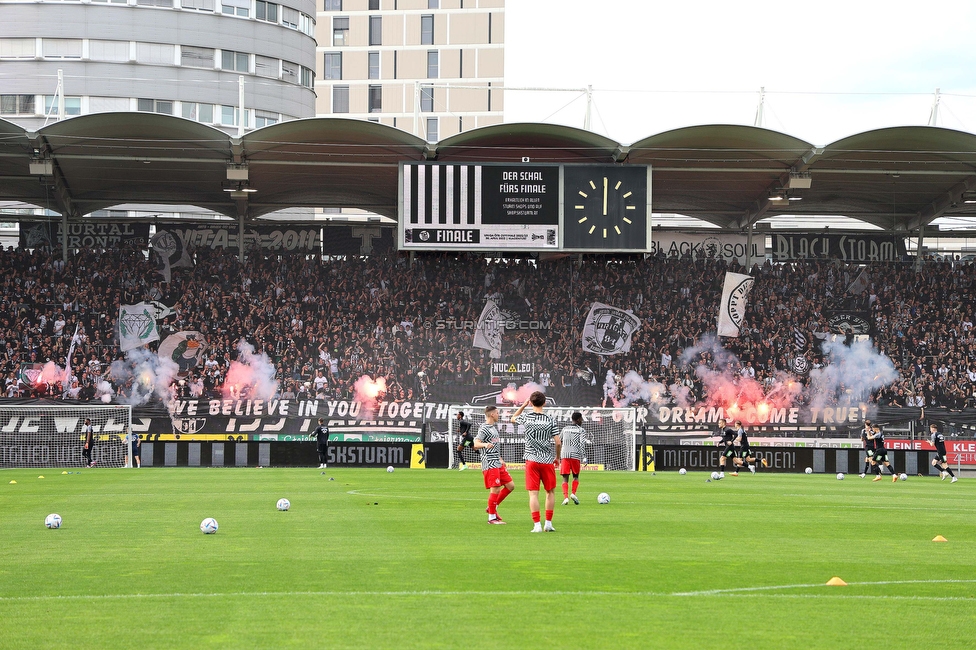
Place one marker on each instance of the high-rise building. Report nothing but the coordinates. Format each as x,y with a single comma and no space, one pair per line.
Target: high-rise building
178,57
433,68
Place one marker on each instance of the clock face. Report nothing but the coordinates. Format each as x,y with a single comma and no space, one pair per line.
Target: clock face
605,207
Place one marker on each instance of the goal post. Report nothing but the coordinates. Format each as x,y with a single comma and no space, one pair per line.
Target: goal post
611,435
51,435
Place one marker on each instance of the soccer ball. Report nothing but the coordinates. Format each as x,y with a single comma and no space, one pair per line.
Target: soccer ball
715,476
682,471
390,469
208,526
283,504
903,477
809,470
603,498
53,521
840,477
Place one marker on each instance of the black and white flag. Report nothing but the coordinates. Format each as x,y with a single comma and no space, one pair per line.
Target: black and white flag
799,339
488,333
732,310
861,283
608,330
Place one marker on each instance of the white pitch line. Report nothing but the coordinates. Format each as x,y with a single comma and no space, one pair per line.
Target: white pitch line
740,591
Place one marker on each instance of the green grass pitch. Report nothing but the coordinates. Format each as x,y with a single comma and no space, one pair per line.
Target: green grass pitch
403,560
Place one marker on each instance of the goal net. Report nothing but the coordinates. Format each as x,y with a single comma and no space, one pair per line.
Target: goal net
611,434
51,436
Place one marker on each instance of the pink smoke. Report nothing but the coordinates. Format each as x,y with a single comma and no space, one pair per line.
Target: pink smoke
369,392
513,395
51,374
251,376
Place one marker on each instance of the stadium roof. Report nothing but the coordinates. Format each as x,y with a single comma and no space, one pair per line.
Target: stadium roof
894,178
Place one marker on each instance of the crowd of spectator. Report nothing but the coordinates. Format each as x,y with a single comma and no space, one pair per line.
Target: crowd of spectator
326,322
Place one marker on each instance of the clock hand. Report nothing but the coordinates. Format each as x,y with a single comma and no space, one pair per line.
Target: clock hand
605,181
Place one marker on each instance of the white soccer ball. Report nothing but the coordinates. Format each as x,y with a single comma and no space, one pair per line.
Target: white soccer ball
603,497
208,526
715,476
840,476
809,470
903,477
53,521
390,469
283,504
682,471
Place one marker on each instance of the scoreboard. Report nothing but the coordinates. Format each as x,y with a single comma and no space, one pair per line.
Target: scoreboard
524,207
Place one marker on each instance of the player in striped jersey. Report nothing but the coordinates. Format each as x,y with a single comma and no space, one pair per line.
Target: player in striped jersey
497,479
542,448
573,439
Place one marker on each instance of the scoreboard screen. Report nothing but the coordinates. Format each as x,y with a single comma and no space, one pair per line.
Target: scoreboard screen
520,207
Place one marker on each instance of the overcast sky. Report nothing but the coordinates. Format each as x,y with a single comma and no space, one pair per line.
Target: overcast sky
830,69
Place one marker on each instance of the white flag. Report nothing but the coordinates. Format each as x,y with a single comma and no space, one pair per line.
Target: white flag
860,283
608,330
66,384
137,326
488,334
732,310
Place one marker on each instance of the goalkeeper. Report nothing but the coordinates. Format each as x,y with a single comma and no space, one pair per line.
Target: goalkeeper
88,431
465,440
573,439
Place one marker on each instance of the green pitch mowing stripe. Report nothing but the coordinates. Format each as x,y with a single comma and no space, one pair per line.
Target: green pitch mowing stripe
404,560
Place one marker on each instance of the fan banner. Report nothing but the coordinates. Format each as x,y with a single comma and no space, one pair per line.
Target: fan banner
858,248
280,239
137,326
90,234
609,330
488,334
732,310
185,349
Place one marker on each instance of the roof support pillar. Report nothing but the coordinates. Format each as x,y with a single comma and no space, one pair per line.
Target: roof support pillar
64,236
240,231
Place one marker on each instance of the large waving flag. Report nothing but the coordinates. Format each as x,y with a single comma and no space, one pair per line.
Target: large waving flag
137,326
732,310
488,334
608,330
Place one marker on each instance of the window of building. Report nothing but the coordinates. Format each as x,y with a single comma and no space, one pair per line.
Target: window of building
290,71
333,5
114,2
340,99
432,135
199,5
16,104
427,30
333,65
235,61
197,57
267,11
155,3
72,105
154,106
264,118
432,64
374,65
340,30
236,7
17,48
61,48
374,5
427,99
116,51
306,25
289,17
265,66
376,30
435,4
108,104
308,77
155,53
198,112
375,99
229,116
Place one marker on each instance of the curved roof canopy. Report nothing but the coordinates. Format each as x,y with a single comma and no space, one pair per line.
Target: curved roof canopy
895,178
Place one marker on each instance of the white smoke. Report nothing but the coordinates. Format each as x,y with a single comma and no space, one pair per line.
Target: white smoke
850,374
141,375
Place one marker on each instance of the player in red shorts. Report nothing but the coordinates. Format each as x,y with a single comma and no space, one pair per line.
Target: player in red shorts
497,480
573,438
541,451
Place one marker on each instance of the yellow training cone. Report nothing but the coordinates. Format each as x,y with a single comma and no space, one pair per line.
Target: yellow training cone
40,477
836,582
64,472
939,538
12,482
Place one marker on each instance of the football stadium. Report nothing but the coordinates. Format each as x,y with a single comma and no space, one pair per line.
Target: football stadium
306,342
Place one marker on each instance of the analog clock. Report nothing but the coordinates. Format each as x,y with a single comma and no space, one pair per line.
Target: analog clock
605,207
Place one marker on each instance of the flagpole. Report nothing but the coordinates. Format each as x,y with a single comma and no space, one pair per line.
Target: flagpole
66,384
